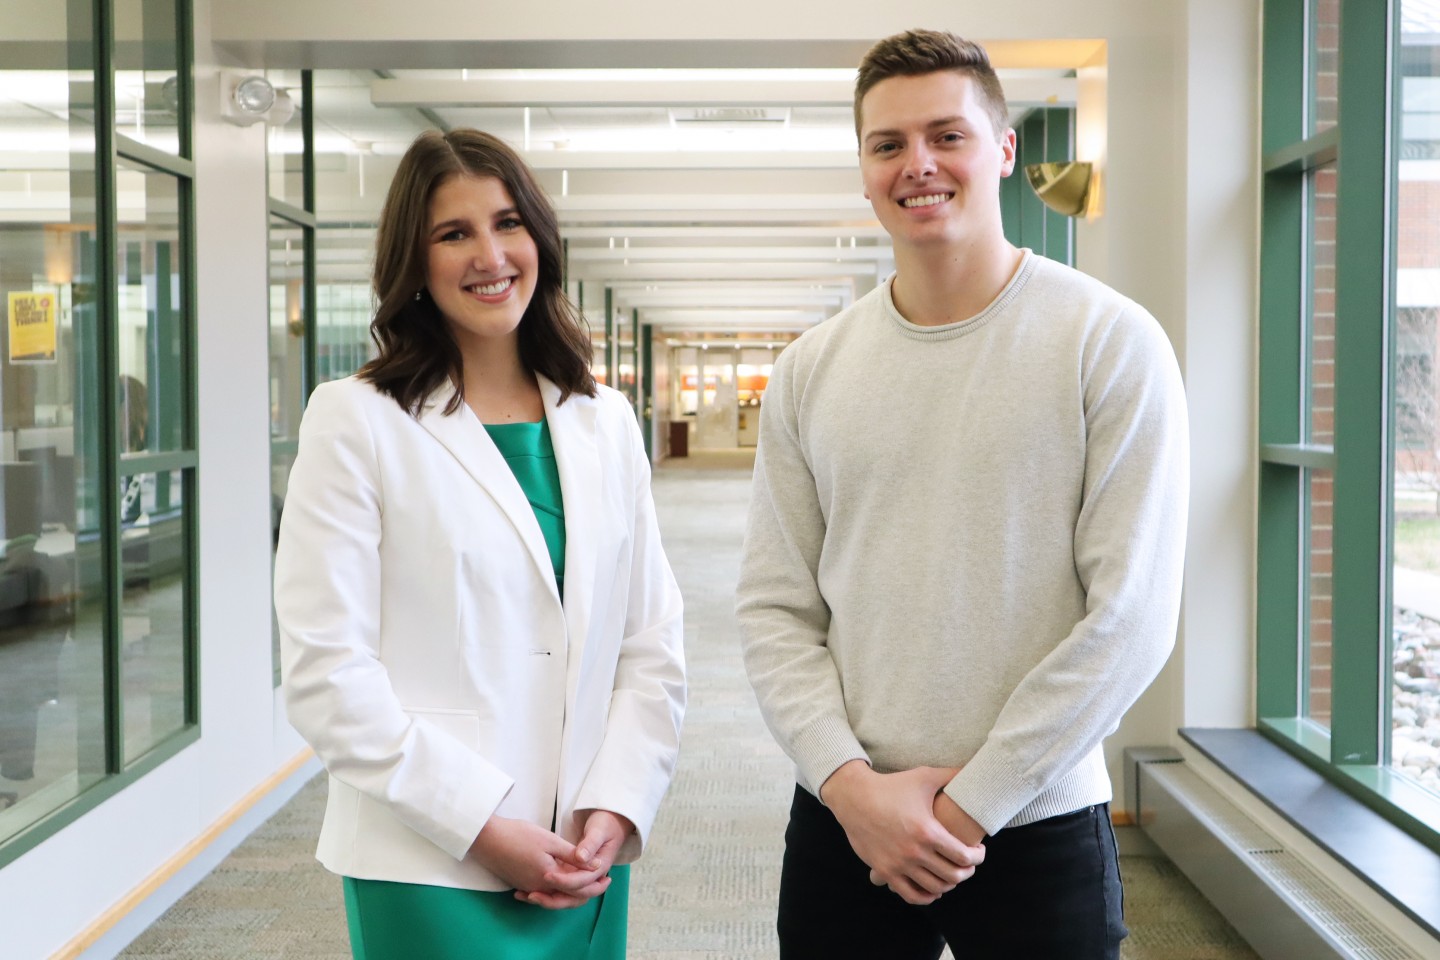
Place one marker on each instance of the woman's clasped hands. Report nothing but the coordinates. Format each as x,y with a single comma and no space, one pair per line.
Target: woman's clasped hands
544,868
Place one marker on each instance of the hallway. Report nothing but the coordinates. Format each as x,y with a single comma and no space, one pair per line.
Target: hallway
706,890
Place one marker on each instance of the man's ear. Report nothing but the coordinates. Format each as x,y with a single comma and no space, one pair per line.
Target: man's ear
1007,152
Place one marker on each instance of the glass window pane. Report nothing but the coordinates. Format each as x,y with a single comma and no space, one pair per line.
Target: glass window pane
1415,688
147,96
285,140
717,420
624,353
52,743
150,261
595,322
357,149
287,365
1319,524
152,652
597,359
344,307
1320,307
1324,58
287,328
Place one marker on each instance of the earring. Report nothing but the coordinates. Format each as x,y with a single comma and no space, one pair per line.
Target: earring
418,294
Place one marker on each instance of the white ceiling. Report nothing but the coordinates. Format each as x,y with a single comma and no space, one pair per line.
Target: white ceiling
708,200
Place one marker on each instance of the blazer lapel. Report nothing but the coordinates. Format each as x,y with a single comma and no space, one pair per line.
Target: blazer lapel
464,436
572,431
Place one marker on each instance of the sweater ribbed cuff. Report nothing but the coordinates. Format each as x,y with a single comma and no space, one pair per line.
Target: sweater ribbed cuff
824,747
997,797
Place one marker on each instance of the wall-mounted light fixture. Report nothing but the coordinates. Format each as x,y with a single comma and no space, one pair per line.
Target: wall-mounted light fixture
247,98
1063,187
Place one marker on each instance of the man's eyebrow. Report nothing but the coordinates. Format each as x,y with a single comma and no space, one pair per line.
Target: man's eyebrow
931,125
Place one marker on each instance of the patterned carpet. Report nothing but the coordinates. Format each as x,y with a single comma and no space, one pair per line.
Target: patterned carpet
706,890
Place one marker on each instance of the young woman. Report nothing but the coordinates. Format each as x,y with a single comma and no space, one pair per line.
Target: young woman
481,634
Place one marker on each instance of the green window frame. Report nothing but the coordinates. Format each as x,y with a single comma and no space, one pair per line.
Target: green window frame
1352,751
92,46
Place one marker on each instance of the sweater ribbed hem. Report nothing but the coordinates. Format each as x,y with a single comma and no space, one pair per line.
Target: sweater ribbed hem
822,748
998,798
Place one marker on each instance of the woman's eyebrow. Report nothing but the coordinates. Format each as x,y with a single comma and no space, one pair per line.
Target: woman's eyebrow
457,222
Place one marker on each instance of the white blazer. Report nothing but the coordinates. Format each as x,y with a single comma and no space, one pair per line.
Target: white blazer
426,653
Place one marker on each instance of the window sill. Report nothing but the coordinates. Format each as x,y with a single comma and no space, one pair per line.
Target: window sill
1401,868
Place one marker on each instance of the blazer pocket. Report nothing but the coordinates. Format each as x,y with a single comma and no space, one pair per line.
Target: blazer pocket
463,725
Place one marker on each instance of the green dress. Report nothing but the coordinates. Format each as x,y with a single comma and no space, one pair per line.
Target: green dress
409,921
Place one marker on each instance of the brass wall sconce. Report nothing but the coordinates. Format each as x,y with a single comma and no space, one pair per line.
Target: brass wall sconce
1063,187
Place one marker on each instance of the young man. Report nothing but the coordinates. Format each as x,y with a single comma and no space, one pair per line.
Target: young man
963,557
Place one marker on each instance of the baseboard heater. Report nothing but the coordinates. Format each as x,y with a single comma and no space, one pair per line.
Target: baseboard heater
1284,908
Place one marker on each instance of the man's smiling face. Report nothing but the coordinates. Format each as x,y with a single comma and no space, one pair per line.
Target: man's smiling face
931,160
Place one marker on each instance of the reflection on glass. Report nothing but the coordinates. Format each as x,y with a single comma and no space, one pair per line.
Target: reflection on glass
1324,31
353,171
287,378
598,367
357,148
1415,688
1320,513
287,328
717,420
687,381
342,323
152,652
147,94
285,140
625,354
51,667
752,375
149,258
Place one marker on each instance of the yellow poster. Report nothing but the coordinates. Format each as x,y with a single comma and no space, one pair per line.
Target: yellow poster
32,328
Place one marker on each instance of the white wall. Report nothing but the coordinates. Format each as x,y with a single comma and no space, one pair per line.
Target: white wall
1177,234
243,743
1221,257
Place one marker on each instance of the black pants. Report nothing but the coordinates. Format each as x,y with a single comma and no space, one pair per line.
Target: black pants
1049,890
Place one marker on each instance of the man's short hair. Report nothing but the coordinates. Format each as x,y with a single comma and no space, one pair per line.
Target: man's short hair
918,52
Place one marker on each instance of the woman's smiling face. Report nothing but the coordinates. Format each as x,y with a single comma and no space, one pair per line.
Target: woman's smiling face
481,262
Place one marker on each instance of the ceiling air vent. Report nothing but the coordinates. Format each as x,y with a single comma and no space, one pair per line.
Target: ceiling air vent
731,116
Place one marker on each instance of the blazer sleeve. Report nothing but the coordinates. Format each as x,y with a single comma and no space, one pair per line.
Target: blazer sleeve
637,757
328,589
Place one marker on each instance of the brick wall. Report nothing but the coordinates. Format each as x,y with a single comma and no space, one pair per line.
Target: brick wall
1324,68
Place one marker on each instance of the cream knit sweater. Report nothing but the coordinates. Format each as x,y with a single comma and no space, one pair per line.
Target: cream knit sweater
965,542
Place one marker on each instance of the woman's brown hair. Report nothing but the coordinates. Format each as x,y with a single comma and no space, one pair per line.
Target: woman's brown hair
417,351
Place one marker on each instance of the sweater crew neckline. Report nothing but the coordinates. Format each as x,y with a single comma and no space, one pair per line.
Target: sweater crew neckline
960,328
